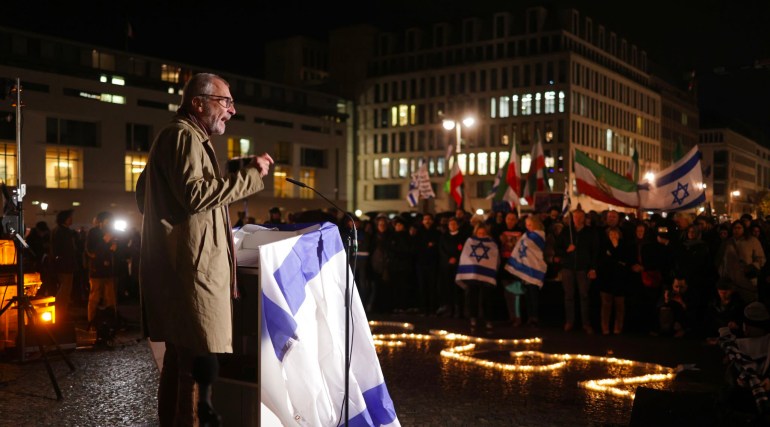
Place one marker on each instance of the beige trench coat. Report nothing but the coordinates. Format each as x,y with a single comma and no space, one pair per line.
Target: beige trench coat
186,265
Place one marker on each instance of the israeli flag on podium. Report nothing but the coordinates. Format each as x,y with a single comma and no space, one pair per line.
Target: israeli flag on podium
302,347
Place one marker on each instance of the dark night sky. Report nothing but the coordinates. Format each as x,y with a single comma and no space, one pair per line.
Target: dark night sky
680,35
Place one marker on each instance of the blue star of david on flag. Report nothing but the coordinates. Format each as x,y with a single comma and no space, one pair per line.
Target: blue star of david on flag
483,255
522,251
683,188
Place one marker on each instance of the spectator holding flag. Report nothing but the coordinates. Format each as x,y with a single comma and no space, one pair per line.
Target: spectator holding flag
477,273
527,263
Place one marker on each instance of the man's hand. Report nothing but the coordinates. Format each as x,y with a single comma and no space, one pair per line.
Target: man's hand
262,163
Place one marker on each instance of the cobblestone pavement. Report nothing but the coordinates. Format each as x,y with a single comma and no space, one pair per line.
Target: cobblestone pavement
116,387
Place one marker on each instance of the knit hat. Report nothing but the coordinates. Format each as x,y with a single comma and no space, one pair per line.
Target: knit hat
756,313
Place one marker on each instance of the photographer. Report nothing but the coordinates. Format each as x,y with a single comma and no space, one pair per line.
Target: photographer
100,248
740,259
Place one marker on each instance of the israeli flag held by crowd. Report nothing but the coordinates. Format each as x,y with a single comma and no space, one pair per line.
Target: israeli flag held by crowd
678,187
478,262
526,260
303,344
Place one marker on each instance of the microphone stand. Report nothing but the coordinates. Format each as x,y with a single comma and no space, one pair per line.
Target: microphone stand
347,292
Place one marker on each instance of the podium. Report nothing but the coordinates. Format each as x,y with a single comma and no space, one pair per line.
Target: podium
288,364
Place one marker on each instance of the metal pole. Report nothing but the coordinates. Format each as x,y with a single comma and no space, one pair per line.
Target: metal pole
457,156
21,342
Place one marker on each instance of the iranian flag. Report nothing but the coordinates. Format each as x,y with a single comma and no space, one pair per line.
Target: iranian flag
536,179
633,168
600,183
455,181
507,185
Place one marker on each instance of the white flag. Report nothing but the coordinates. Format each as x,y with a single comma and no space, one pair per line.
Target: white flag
303,344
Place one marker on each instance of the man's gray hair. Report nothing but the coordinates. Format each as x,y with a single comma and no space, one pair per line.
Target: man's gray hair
198,84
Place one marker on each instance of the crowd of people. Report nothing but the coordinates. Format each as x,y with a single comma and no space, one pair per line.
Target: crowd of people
94,267
676,275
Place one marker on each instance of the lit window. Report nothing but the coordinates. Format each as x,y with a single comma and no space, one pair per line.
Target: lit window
462,160
63,168
281,187
8,164
385,168
538,97
561,101
238,147
308,177
515,105
526,161
483,160
493,108
504,106
502,158
170,73
135,163
403,168
550,102
403,115
526,105
472,164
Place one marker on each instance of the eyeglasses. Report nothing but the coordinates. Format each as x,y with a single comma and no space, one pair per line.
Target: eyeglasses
228,102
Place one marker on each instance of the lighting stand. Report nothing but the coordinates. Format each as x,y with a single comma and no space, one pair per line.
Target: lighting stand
23,303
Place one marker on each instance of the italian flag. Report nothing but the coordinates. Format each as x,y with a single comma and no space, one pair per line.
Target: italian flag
452,186
600,183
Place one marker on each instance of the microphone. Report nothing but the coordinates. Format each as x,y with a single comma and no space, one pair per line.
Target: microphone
303,185
355,232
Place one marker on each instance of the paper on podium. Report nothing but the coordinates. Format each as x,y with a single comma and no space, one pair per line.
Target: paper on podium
250,237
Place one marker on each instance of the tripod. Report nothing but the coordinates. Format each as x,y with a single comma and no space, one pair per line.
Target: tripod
24,304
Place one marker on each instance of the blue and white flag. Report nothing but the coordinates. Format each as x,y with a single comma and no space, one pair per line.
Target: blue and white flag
303,343
413,195
566,201
526,260
420,186
478,262
678,187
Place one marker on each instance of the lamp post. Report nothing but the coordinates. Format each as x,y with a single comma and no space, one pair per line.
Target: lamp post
733,195
449,124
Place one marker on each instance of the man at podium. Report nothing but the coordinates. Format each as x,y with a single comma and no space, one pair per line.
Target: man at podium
187,263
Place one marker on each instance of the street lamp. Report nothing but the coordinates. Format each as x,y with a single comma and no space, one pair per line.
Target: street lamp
733,195
449,124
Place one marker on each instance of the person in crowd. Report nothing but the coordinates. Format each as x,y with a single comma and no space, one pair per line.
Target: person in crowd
741,258
381,296
527,263
37,257
645,282
64,252
359,256
241,220
477,274
612,276
696,264
763,280
401,267
426,264
187,268
724,310
464,221
275,216
575,251
748,359
101,246
674,314
552,216
450,245
506,235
